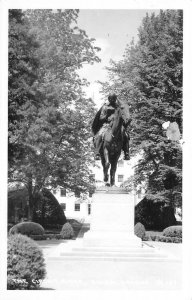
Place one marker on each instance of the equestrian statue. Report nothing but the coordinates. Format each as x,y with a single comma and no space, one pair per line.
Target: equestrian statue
110,130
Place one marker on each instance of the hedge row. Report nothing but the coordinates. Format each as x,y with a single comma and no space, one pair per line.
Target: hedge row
50,226
165,239
46,236
36,231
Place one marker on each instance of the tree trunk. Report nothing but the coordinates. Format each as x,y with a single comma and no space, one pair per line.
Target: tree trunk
31,200
43,212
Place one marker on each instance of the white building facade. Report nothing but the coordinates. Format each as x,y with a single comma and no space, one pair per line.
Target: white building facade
77,207
74,207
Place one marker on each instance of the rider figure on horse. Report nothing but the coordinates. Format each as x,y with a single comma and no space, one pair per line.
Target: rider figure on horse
104,120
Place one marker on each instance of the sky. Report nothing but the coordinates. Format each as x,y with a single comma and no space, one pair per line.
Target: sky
112,29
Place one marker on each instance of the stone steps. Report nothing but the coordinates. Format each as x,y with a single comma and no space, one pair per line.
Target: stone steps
113,259
111,255
120,254
117,249
95,247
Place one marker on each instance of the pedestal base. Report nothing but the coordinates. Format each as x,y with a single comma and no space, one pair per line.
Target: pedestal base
112,221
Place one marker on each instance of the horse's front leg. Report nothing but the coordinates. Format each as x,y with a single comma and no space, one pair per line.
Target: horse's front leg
113,171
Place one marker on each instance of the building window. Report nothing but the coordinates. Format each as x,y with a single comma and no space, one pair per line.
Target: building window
89,209
63,206
77,207
90,193
63,192
77,194
120,163
120,178
92,177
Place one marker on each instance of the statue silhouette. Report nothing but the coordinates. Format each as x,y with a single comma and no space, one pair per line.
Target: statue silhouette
110,129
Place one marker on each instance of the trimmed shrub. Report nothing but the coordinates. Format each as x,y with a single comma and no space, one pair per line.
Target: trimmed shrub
25,263
27,228
49,212
139,230
173,231
67,231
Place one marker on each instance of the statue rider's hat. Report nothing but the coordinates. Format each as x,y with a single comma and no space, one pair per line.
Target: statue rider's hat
112,97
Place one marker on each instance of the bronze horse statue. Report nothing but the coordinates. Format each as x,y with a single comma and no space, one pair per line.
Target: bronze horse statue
110,150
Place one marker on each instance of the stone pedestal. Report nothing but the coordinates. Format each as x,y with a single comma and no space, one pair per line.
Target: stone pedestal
112,219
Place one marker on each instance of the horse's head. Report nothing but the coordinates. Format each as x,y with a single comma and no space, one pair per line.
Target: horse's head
117,122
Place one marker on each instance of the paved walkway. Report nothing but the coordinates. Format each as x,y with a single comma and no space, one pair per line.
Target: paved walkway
110,275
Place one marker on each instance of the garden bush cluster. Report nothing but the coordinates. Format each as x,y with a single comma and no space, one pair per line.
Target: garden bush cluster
172,234
25,263
37,232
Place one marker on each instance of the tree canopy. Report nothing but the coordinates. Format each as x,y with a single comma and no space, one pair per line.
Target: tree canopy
149,78
49,115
